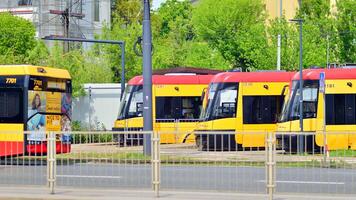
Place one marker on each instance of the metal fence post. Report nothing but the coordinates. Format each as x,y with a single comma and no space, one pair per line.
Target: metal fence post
155,161
270,164
51,161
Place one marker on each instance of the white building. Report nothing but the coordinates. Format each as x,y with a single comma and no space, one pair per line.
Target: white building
99,108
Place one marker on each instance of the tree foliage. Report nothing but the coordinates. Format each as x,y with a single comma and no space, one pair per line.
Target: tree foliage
176,42
17,37
346,22
236,29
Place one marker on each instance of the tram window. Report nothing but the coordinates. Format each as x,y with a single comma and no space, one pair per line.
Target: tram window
225,101
261,109
11,108
177,107
191,107
24,2
167,107
310,100
340,109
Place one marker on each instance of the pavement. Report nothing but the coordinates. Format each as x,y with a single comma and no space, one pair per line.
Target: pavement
196,178
30,193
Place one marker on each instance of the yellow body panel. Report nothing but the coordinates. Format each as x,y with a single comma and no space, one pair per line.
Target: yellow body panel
255,133
250,139
339,87
13,70
262,88
283,127
136,122
178,90
339,140
11,132
171,132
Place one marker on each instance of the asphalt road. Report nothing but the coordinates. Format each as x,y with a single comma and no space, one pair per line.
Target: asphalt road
187,178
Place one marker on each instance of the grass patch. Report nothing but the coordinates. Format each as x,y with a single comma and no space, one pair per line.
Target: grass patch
169,160
343,153
335,164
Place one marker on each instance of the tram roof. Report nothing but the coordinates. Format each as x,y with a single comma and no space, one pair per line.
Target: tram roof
253,77
330,74
18,70
178,79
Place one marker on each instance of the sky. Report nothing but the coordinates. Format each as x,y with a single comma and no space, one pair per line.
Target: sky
156,3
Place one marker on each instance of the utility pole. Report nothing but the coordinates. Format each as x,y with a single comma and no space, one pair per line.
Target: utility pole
147,77
66,14
300,136
279,38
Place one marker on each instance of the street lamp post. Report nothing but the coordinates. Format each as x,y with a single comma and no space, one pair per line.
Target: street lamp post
147,77
300,136
279,38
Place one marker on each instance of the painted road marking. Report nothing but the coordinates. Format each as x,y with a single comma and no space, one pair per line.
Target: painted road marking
81,176
308,182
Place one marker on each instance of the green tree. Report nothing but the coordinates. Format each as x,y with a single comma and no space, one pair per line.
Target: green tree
319,31
175,40
320,36
128,11
237,30
17,36
84,67
173,34
289,43
346,23
129,34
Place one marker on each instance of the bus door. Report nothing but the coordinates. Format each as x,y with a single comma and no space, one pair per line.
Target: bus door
11,121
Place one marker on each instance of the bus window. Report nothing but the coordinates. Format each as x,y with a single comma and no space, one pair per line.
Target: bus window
261,109
340,109
11,109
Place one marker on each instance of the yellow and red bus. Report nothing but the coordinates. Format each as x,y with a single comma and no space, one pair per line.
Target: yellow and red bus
34,99
241,102
339,113
176,107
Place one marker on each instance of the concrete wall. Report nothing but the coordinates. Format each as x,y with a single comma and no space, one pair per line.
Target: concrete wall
101,108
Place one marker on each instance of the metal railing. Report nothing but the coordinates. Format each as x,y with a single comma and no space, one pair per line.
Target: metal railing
220,163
